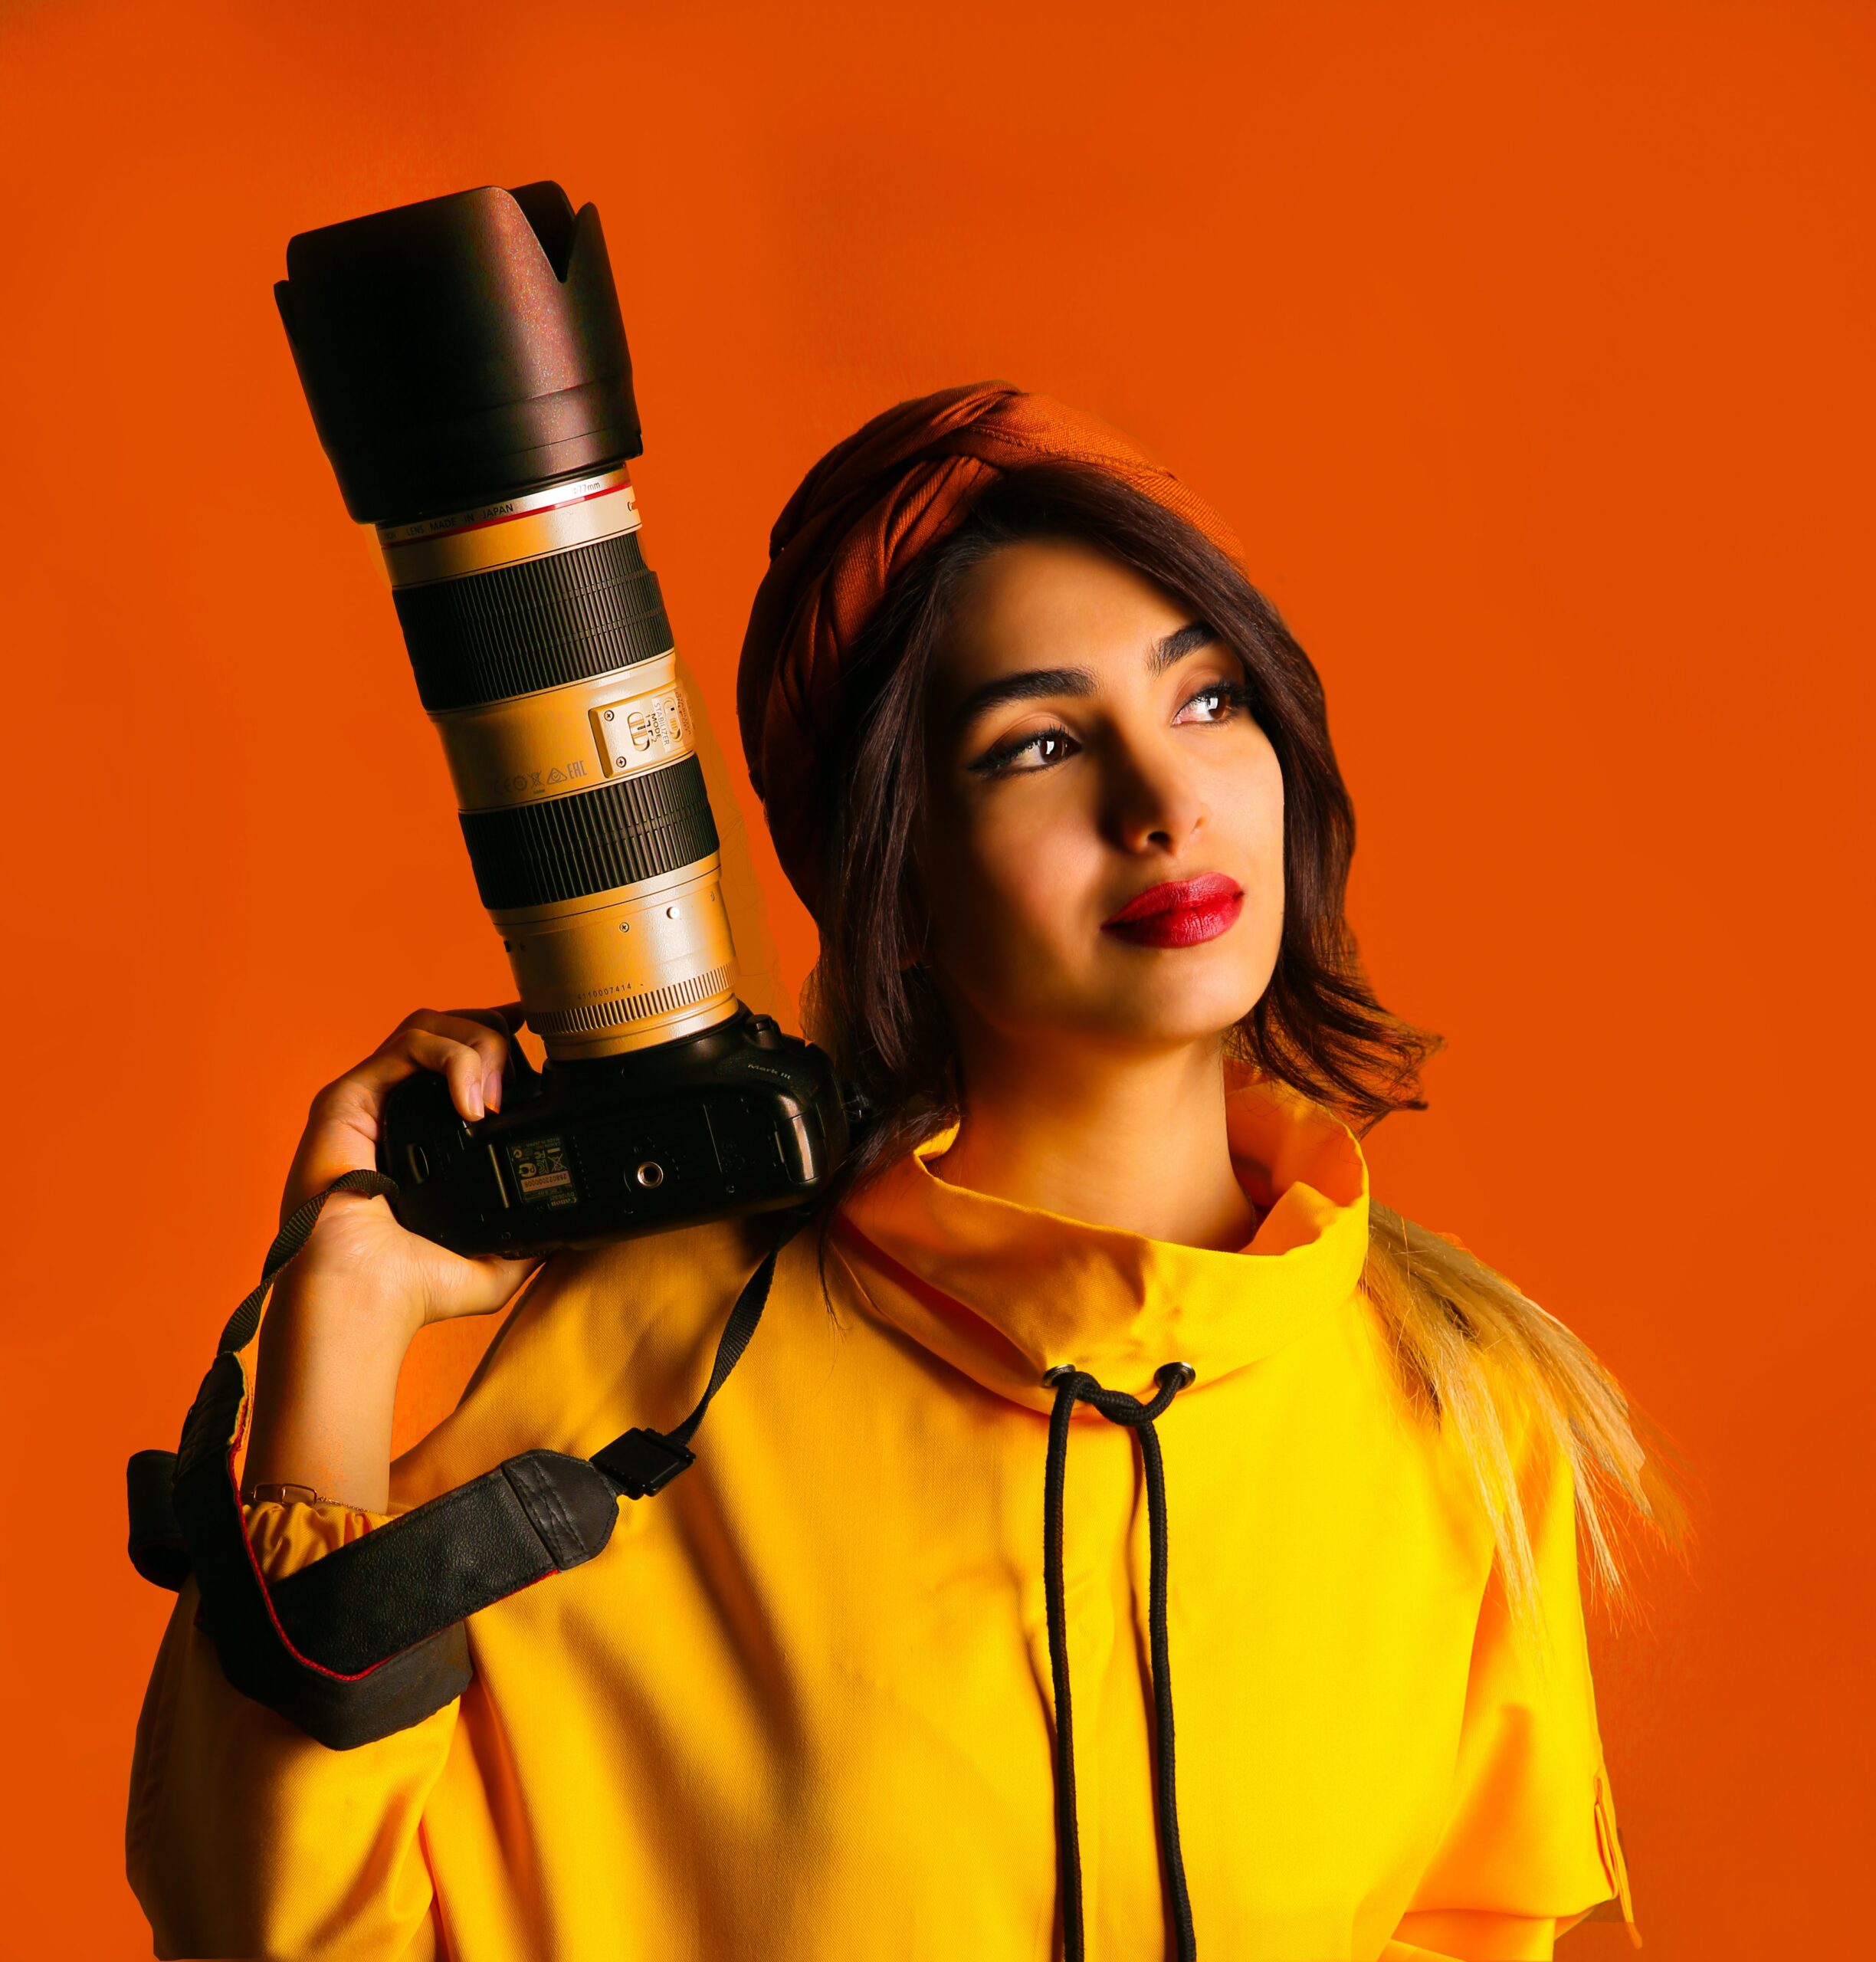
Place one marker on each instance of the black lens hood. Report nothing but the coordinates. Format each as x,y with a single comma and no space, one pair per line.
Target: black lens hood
460,350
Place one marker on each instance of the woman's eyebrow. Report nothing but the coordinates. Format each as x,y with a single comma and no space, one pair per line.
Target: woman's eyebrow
1032,682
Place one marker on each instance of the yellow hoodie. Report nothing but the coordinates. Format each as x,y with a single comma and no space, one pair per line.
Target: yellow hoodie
801,1708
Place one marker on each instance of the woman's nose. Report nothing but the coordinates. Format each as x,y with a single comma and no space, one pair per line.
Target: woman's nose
1152,802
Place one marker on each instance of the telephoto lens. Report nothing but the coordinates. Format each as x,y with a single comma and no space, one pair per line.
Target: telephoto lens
466,364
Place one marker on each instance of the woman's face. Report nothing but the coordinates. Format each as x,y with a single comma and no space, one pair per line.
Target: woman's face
1090,745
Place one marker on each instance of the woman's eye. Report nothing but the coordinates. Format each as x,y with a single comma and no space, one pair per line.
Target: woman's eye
1221,700
1043,747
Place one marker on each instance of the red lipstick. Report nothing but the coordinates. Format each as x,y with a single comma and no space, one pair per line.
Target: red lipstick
1181,913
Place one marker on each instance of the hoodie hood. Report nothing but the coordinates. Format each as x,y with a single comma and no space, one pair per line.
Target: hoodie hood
1006,1292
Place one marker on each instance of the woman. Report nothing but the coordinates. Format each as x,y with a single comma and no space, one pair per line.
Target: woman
1104,1378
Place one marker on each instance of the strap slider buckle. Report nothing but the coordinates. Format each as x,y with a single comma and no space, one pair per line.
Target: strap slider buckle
642,1462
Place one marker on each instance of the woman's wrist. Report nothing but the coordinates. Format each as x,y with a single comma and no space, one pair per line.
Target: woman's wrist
367,1312
331,1347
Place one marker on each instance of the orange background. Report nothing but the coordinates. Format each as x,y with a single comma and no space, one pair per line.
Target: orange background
1527,346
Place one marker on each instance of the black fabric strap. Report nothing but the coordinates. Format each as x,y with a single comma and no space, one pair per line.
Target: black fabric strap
368,1639
1071,1387
340,1708
295,1231
540,1514
738,1331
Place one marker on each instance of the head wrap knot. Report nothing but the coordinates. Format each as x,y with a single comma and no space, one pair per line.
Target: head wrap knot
861,516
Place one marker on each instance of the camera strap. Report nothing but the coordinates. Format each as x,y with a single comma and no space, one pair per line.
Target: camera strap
368,1639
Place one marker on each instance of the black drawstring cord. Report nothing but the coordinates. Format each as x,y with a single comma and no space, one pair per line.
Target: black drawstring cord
1072,1387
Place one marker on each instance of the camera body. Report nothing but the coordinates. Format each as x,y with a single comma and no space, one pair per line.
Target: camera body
740,1118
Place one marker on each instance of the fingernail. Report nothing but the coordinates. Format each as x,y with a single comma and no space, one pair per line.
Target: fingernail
491,1091
475,1100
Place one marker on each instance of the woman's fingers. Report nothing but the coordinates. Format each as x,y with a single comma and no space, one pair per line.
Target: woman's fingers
481,1032
470,1053
504,1021
465,1067
469,1050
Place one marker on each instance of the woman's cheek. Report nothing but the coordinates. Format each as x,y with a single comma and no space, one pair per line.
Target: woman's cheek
1024,908
1014,898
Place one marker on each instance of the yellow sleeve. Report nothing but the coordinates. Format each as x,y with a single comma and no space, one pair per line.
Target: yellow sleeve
1528,1846
285,1537
246,1837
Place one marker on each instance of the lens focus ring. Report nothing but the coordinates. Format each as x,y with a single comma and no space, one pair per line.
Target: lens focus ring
639,828
537,625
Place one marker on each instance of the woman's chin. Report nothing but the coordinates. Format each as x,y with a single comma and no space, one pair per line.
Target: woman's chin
1143,1008
1190,989
1170,1018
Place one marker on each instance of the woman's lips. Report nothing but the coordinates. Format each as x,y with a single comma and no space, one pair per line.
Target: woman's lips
1180,913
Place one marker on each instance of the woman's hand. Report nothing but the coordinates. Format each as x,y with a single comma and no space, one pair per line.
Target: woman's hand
343,1313
357,1243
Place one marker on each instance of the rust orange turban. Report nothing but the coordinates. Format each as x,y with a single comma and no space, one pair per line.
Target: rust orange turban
865,511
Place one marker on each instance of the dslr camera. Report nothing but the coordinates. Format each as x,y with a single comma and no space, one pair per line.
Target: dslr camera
465,362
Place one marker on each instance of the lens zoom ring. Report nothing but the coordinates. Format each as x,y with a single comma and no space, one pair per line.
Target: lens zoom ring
639,828
538,625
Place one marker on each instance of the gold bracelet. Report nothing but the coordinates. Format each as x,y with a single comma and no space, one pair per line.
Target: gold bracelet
283,1495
